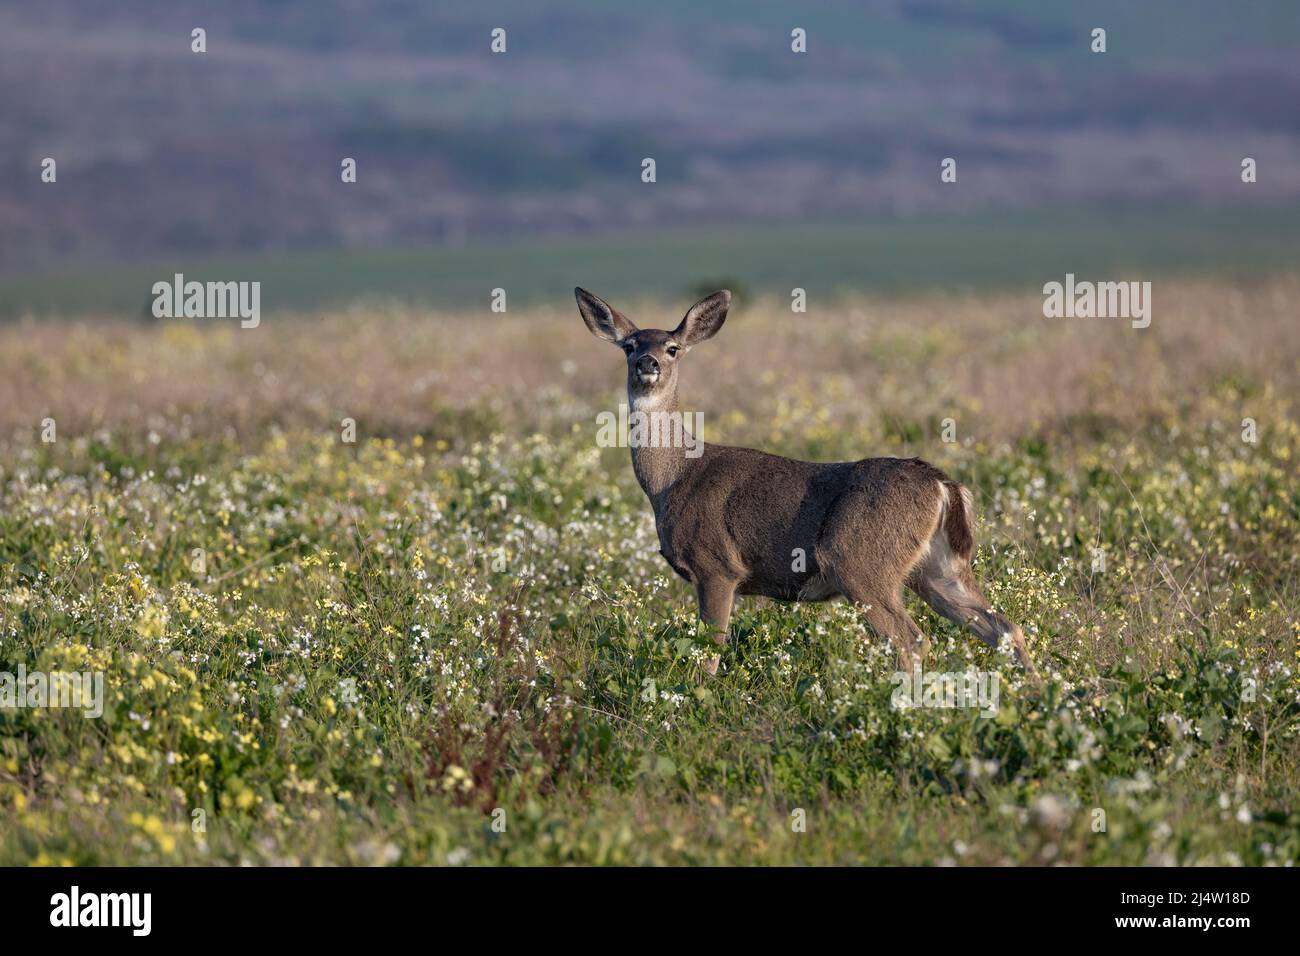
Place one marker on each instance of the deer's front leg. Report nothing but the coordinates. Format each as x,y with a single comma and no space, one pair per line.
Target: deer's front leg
715,596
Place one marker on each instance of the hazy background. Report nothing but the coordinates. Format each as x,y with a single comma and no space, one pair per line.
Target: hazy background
522,170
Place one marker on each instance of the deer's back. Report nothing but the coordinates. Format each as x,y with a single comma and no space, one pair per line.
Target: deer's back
762,519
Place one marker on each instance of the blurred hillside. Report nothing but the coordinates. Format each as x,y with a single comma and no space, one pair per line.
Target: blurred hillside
165,153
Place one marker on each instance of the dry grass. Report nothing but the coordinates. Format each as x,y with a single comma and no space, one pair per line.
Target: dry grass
993,363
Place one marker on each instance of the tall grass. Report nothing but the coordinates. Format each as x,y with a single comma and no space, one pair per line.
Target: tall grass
454,642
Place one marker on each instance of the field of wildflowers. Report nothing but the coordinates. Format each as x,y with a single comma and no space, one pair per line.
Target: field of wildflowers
452,641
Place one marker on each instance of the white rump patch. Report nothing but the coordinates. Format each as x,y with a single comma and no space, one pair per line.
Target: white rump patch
937,558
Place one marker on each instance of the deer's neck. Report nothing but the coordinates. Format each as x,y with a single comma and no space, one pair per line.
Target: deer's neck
660,464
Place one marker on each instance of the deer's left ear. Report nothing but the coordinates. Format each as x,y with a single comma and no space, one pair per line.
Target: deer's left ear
604,321
703,319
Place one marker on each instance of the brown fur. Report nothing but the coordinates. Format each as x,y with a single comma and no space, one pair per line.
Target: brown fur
735,520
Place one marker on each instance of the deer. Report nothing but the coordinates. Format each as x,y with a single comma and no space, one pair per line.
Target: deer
737,521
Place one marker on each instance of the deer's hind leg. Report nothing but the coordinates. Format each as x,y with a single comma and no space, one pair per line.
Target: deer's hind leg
889,619
877,588
869,566
945,581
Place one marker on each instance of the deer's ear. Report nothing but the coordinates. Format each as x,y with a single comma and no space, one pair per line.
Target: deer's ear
703,319
603,319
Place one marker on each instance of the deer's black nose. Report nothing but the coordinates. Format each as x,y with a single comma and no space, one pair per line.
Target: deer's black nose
646,365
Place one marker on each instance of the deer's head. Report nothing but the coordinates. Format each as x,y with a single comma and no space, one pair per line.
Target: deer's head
653,355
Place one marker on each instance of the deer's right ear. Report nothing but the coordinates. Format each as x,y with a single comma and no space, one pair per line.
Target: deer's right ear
604,320
703,319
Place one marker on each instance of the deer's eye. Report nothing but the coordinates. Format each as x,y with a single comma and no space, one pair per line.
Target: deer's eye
673,350
628,348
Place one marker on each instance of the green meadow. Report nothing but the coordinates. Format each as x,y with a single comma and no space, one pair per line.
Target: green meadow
883,257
